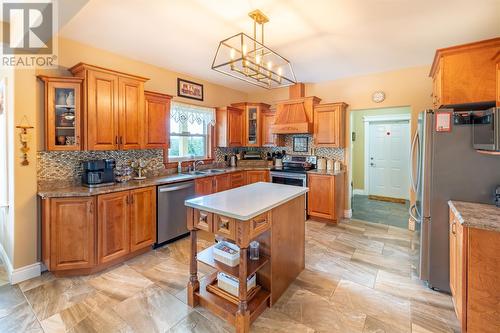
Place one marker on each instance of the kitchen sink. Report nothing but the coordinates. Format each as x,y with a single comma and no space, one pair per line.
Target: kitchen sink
208,171
195,173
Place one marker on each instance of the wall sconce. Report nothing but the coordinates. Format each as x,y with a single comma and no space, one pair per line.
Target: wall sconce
24,137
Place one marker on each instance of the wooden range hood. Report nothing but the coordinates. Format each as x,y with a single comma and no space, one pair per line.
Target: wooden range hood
295,115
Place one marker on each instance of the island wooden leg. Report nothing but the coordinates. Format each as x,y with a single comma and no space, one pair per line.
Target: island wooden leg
193,284
243,315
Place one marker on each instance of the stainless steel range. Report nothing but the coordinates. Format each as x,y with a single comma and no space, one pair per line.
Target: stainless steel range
294,170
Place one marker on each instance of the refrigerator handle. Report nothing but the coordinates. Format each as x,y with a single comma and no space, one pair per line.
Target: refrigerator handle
412,163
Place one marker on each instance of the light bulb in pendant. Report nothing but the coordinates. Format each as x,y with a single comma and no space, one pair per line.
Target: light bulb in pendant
280,71
232,53
244,50
257,59
269,65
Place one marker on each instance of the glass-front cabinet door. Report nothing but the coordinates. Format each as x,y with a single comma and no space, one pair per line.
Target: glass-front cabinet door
62,113
253,119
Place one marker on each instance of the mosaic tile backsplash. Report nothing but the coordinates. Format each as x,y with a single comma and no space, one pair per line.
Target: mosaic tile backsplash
66,165
333,153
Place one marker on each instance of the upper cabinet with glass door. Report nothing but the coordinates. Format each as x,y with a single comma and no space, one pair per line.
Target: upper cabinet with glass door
253,128
62,113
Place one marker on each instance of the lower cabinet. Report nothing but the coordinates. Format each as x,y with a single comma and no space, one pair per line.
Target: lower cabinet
325,197
222,182
254,176
474,272
68,229
113,226
237,179
204,186
82,235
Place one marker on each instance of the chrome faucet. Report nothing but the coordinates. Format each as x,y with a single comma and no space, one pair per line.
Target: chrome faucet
196,163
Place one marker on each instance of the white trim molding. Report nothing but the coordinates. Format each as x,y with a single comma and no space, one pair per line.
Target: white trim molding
20,274
348,213
6,261
360,191
25,273
405,117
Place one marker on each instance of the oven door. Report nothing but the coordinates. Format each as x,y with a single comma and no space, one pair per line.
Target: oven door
288,178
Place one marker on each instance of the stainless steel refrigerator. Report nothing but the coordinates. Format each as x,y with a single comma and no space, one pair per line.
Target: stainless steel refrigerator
445,167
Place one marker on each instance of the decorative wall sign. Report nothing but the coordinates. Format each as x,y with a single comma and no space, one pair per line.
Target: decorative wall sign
188,89
300,144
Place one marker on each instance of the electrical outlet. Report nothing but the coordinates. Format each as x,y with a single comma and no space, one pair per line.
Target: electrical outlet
353,135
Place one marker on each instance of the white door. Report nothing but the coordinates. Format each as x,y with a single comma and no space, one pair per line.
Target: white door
388,159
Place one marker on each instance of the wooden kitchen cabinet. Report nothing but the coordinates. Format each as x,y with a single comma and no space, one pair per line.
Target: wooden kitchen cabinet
142,218
156,120
222,182
113,226
237,179
329,125
212,184
204,186
131,113
229,127
254,176
465,73
252,128
474,271
83,235
63,114
498,78
113,108
268,138
325,197
68,228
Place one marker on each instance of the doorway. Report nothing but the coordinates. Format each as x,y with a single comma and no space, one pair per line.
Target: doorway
380,163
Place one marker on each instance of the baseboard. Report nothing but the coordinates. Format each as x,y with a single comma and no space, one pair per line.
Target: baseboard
26,273
6,262
348,213
358,191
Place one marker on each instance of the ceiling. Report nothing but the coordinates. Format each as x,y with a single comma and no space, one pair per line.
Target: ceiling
324,39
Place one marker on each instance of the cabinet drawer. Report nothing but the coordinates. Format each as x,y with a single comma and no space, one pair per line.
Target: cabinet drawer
237,179
225,226
203,220
259,224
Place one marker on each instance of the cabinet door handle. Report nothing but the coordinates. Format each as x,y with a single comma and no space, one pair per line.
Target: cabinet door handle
121,140
131,199
453,228
116,139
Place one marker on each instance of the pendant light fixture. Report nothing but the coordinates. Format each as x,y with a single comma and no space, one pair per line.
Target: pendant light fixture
248,59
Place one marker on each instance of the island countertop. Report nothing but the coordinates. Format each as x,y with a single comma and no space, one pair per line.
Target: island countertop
246,202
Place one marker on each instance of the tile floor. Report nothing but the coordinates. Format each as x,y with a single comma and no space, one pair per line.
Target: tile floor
377,211
359,277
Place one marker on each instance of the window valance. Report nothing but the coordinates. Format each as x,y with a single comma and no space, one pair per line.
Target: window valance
190,114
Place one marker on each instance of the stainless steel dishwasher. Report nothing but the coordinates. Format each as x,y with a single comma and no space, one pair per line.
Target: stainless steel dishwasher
171,212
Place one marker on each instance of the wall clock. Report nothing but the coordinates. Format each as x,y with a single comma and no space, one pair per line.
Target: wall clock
378,96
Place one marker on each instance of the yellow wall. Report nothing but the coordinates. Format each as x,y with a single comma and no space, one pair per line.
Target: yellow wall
406,87
28,101
358,146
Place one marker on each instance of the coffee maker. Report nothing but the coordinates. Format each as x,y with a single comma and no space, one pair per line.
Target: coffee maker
98,173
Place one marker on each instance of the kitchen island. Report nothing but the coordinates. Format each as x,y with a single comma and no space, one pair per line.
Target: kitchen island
273,215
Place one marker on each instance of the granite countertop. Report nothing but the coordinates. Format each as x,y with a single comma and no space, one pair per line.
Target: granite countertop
247,202
476,215
61,189
326,172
